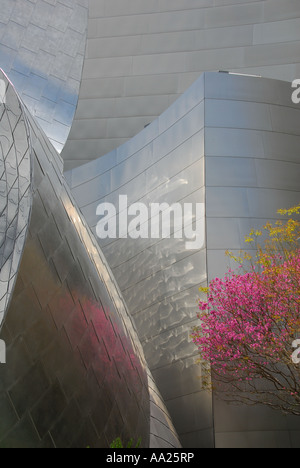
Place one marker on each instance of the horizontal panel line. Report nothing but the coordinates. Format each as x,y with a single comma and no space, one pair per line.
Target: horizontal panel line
172,295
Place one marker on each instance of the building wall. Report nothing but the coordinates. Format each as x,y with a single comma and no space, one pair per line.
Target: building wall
229,141
252,161
75,373
160,279
141,55
42,46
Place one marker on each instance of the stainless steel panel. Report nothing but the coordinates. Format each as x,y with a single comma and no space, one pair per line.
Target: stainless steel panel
231,172
132,168
239,143
172,312
230,86
280,146
202,413
158,257
237,135
278,174
237,114
193,96
257,112
42,51
242,193
99,187
167,282
185,128
168,50
75,371
285,119
15,192
233,231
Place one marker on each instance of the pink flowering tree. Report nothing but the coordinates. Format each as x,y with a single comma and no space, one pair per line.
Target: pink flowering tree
249,325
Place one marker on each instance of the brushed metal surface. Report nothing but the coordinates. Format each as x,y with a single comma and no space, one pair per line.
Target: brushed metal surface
141,56
42,46
75,374
159,278
236,154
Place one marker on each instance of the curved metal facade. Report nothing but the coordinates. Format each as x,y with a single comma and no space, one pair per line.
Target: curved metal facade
15,192
42,47
74,358
252,160
231,142
75,374
142,55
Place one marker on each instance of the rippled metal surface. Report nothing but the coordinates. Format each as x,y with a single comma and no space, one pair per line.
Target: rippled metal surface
42,46
159,278
231,142
75,372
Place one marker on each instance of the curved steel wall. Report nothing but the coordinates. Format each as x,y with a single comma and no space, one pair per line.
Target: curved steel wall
142,55
15,192
252,159
42,47
160,279
233,142
75,374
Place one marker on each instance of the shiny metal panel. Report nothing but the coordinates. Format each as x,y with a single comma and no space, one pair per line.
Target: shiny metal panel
15,192
230,141
42,46
159,278
223,147
75,374
252,170
140,59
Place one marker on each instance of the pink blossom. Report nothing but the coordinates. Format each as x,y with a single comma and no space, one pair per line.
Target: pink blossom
250,320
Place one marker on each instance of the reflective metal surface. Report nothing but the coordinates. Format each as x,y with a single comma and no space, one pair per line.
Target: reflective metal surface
232,142
252,134
75,374
160,278
15,192
42,46
142,55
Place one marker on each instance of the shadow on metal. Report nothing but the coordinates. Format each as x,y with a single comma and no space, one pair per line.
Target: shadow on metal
75,374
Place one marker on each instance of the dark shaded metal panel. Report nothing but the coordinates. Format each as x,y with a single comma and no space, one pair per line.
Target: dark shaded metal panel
75,372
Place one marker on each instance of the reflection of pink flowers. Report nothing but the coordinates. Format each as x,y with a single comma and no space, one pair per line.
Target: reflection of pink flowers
250,320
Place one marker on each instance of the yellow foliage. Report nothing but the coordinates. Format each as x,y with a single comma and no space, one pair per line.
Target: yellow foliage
282,239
